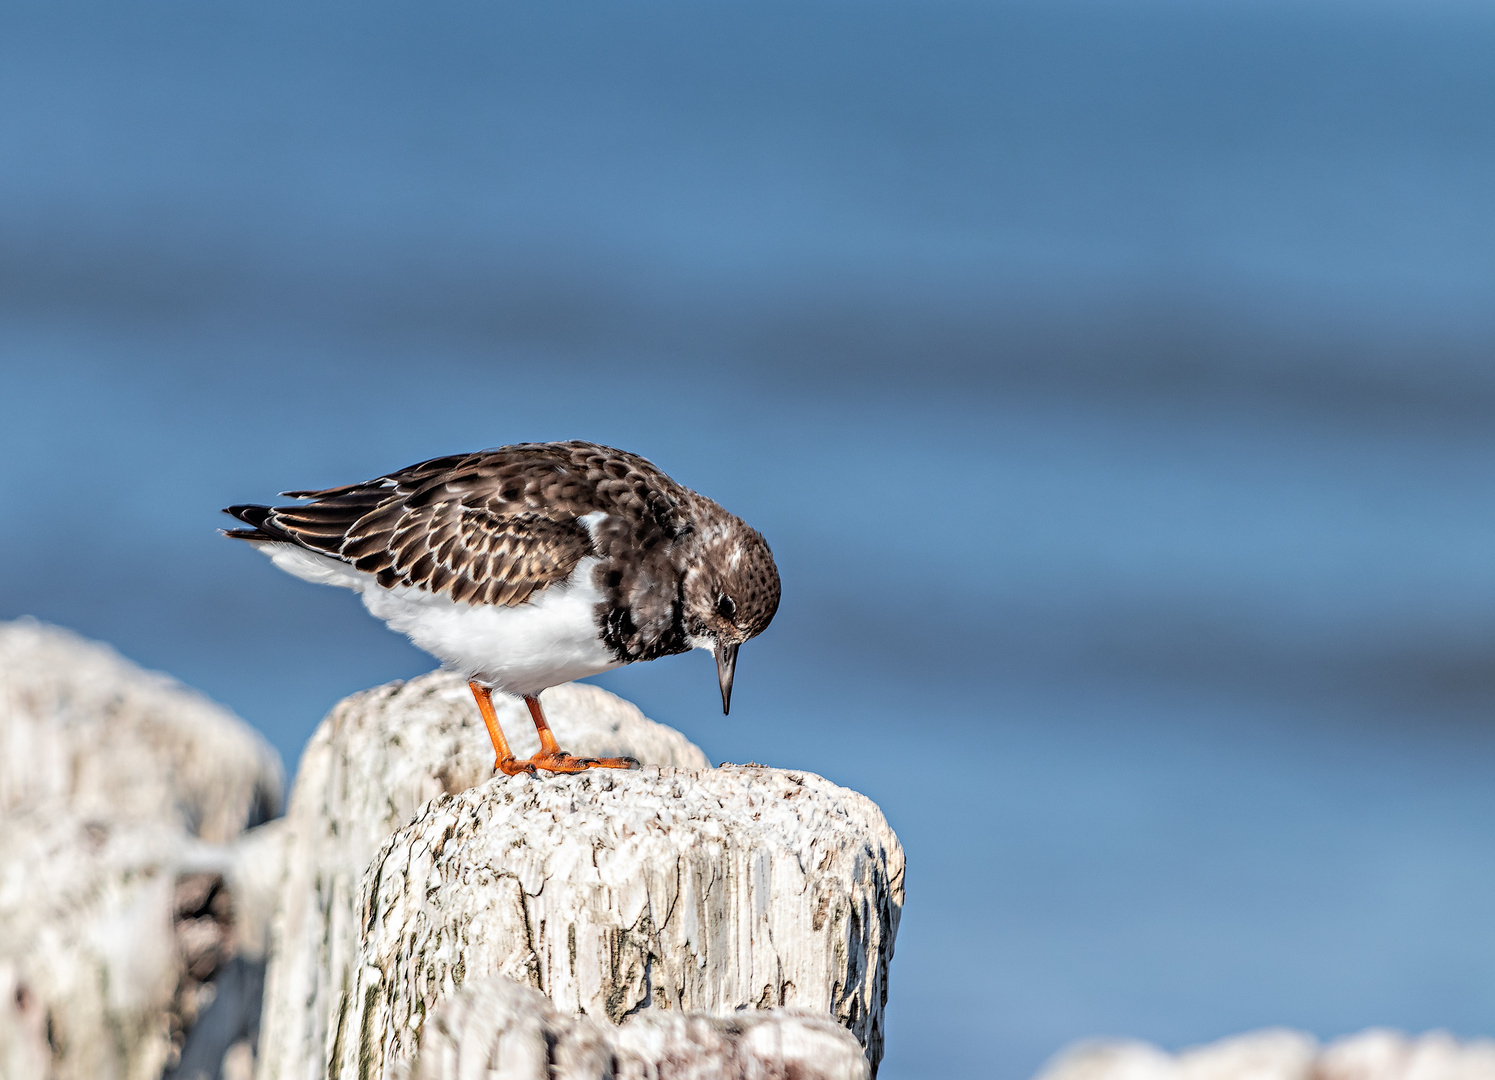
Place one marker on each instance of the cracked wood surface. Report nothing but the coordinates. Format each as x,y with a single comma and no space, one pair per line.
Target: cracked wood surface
616,892
500,1030
376,759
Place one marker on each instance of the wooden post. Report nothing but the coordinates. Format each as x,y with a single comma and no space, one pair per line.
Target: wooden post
614,893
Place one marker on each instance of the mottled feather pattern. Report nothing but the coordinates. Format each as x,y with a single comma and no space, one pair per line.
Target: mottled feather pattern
495,527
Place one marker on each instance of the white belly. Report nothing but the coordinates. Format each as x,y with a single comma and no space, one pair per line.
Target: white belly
520,650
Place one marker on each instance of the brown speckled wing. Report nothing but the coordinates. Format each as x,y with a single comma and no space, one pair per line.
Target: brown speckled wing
491,527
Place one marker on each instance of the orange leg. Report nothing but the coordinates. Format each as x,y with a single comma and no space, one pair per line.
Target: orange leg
504,762
548,745
553,759
550,758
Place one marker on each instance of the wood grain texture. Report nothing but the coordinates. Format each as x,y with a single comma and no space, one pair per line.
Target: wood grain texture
661,889
500,1030
376,759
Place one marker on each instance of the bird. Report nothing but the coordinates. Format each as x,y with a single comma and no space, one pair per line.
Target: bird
526,566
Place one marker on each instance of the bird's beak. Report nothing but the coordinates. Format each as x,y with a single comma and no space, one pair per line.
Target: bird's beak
726,662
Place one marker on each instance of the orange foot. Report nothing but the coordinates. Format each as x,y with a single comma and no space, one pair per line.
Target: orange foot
561,762
604,763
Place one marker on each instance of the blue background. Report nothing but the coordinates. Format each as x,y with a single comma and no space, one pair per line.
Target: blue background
1113,381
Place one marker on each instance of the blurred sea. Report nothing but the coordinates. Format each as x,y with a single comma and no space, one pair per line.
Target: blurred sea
1113,381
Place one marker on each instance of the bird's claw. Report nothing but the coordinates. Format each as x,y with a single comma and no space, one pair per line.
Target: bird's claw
561,763
614,763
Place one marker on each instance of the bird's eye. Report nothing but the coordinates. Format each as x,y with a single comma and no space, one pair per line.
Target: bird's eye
726,607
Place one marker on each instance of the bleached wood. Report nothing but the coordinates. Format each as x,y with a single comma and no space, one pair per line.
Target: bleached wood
370,766
113,782
497,1029
82,727
768,1044
615,892
1379,1054
85,920
1281,1054
24,1053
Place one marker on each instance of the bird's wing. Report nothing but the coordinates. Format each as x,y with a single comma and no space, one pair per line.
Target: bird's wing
468,526
491,527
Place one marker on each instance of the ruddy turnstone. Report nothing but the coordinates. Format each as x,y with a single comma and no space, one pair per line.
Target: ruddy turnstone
532,565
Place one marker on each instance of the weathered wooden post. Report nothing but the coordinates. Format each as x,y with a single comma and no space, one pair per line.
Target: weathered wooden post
673,887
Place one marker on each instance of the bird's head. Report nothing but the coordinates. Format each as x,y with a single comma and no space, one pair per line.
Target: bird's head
731,592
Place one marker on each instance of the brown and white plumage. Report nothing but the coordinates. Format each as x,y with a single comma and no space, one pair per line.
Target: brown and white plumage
533,564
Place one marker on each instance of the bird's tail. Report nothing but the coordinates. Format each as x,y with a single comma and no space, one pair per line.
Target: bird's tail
258,517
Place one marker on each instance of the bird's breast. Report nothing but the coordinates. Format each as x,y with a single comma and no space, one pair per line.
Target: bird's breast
552,638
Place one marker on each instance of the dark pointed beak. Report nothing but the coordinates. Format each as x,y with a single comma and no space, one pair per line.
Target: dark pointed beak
726,663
